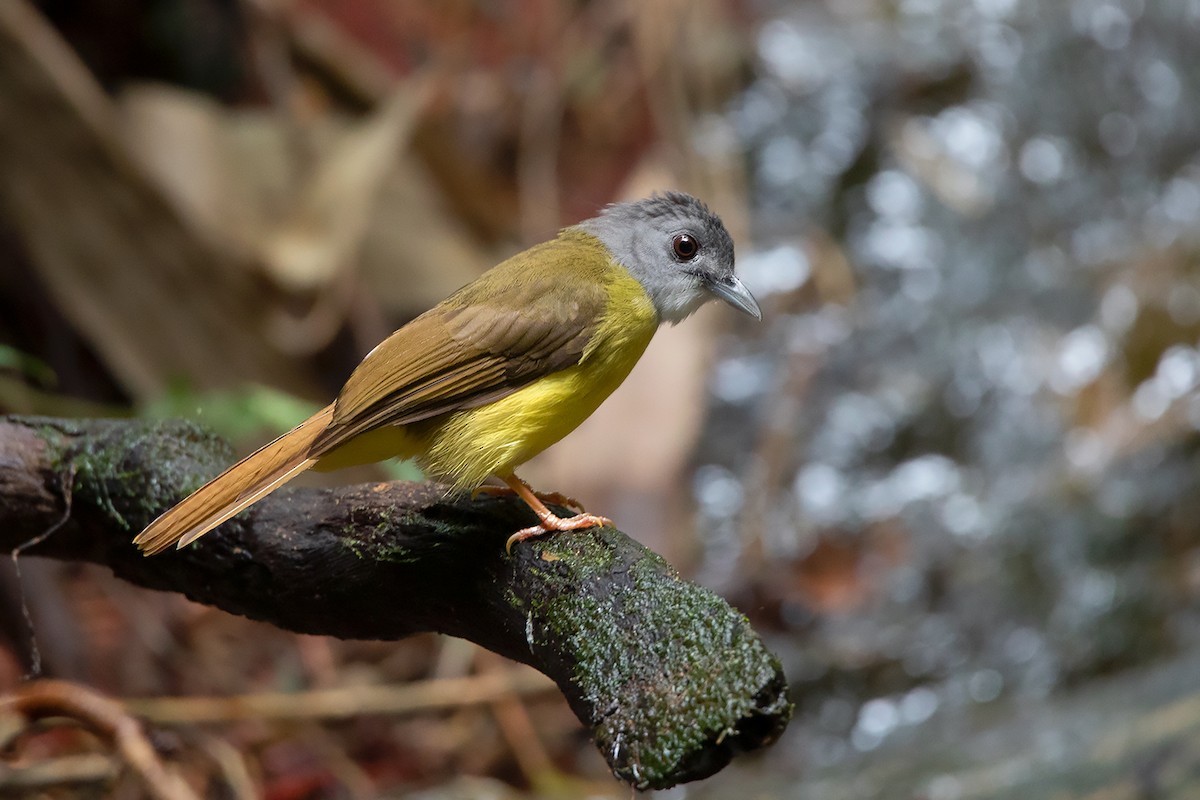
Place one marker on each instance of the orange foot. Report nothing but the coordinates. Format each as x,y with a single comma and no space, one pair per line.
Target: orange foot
549,520
552,523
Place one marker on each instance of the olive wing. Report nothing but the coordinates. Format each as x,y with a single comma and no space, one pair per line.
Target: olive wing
463,355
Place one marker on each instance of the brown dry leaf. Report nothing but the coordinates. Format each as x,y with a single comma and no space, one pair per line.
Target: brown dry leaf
324,228
368,206
415,250
126,265
178,138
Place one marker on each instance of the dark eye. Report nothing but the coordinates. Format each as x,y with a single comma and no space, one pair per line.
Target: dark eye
685,246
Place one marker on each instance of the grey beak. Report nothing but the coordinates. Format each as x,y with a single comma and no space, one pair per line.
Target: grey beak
737,295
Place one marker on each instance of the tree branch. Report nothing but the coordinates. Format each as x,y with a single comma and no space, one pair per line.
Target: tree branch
671,681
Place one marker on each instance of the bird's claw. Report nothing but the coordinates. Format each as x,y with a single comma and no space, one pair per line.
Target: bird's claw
553,523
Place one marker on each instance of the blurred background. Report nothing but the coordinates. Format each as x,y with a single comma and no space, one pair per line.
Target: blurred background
951,478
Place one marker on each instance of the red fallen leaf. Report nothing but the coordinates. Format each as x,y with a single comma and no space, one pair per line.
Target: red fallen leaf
308,785
841,573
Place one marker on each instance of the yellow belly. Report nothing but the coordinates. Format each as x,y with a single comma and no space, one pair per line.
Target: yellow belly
465,447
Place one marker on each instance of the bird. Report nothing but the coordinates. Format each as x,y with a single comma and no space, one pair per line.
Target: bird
502,368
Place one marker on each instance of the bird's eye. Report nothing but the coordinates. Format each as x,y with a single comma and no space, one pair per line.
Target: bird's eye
685,246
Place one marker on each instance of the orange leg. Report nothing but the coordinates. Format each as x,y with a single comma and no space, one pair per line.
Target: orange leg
557,498
550,522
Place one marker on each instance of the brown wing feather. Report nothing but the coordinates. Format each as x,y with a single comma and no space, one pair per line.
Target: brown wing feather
496,335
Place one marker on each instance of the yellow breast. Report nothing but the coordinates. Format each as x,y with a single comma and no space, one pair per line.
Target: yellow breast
468,446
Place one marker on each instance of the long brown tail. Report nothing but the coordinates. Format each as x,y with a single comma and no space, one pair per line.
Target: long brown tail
242,485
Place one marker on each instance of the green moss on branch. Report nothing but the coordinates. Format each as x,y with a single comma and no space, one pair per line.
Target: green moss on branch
670,679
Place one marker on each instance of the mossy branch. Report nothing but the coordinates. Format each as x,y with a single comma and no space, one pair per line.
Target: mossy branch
671,681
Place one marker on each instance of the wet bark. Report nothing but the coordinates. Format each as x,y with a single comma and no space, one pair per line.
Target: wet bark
669,678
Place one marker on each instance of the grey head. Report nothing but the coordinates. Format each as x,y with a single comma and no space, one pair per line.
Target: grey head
678,250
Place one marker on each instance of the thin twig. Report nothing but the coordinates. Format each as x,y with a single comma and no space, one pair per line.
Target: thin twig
517,728
77,771
341,703
46,698
35,652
